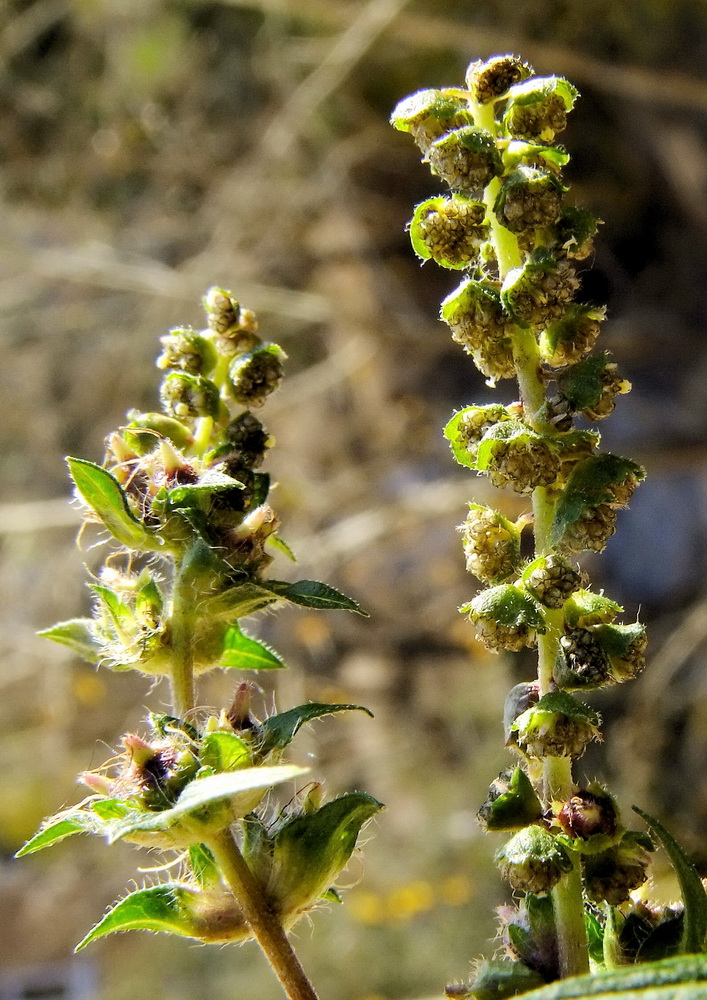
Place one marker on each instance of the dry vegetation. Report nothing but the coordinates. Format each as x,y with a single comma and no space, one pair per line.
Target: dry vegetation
152,148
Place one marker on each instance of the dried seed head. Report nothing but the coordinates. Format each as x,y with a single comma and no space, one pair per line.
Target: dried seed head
491,544
466,158
523,465
248,441
591,531
490,79
553,581
585,657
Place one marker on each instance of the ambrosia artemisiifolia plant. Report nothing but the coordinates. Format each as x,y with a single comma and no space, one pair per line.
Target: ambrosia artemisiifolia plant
508,227
185,510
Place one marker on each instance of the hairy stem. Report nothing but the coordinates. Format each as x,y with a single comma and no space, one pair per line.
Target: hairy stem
181,673
266,926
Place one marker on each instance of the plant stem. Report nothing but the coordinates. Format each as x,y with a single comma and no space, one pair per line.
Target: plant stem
266,926
182,659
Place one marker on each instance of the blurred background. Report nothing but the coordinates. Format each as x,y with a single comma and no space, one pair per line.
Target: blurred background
152,148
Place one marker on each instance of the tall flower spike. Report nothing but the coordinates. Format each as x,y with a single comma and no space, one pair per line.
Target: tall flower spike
518,314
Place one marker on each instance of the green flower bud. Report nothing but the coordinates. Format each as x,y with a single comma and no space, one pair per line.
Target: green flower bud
146,430
256,374
225,314
187,396
591,531
538,107
183,349
466,158
540,291
505,617
528,199
489,80
449,231
512,802
533,860
552,580
477,321
491,544
558,726
616,872
428,114
571,338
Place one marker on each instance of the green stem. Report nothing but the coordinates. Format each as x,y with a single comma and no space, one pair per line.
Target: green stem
557,771
264,923
181,671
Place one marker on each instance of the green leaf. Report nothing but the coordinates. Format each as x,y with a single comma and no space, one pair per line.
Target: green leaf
279,730
508,605
203,865
78,635
240,652
311,850
313,594
498,980
223,751
581,384
105,496
537,88
198,494
200,794
276,542
58,827
672,979
691,888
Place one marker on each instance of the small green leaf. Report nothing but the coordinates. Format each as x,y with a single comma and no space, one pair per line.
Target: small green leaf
104,495
223,751
240,652
498,980
276,542
203,865
280,730
200,794
581,384
59,827
672,979
313,594
159,908
78,635
538,88
312,849
508,605
691,888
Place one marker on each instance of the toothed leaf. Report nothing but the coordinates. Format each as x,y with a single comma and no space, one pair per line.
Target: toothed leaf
280,730
78,635
106,498
241,652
